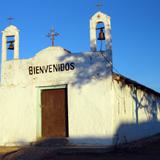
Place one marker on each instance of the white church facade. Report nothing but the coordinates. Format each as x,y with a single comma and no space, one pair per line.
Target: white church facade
57,93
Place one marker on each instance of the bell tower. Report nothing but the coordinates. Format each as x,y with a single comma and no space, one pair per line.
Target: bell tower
10,36
97,18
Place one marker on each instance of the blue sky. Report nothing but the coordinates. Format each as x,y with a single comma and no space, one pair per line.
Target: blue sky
135,31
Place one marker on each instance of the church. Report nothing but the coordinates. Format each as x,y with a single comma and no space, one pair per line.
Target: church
78,97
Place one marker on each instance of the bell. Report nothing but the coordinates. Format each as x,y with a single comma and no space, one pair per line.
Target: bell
11,45
101,35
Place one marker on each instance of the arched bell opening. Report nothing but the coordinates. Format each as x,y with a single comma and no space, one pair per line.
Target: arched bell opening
100,32
100,37
10,47
10,43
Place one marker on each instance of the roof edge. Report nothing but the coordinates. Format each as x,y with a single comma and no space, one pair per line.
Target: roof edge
119,77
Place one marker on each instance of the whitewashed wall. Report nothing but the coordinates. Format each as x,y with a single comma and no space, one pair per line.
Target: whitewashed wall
17,115
136,113
89,97
101,111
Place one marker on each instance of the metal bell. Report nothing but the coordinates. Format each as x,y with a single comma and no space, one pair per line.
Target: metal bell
11,45
101,34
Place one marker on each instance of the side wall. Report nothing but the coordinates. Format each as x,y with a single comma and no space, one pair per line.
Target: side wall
136,113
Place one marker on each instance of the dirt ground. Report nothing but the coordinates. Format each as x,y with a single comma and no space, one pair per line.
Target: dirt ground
146,149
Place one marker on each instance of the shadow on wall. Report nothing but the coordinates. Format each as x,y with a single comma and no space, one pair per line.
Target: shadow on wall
128,132
89,66
125,133
150,105
148,102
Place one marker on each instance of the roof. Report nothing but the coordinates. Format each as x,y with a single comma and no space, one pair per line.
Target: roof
119,77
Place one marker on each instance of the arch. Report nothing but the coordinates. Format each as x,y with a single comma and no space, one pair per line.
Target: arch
8,32
100,17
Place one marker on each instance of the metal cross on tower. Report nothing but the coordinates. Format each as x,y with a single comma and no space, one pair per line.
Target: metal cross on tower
99,5
52,35
10,19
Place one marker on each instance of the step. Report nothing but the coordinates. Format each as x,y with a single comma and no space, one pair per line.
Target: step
51,142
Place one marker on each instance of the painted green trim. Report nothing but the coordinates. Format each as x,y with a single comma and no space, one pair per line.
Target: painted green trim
38,106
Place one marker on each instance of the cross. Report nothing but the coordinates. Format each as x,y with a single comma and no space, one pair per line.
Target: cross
52,34
99,5
10,19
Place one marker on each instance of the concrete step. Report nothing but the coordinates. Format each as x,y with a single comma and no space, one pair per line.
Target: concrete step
51,142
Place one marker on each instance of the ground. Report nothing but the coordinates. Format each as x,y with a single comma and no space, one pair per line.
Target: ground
148,149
